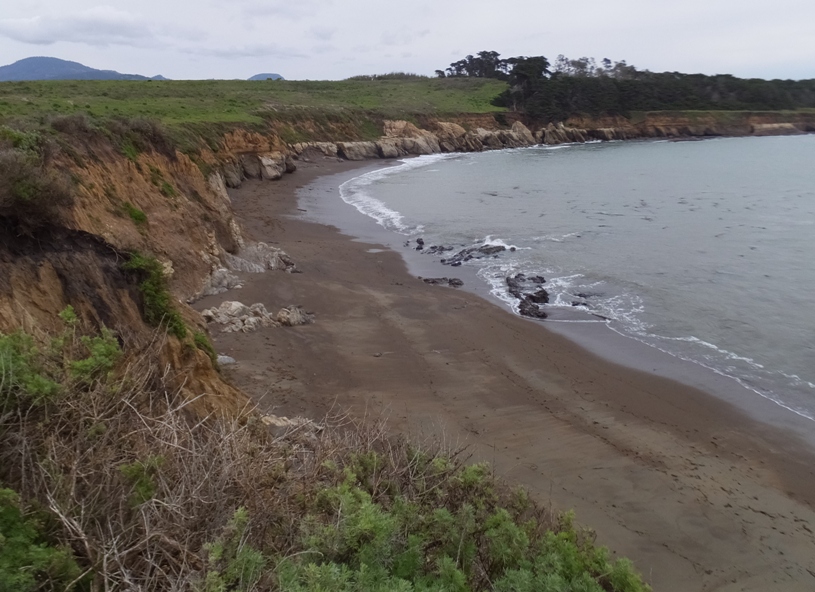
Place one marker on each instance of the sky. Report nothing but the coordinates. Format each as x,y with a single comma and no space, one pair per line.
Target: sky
336,39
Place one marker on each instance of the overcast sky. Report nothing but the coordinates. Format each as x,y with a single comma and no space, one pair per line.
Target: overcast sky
334,39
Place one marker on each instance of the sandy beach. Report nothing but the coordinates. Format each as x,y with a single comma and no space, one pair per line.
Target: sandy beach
695,491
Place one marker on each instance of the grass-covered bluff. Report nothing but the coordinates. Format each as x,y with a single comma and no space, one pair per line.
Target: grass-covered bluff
233,101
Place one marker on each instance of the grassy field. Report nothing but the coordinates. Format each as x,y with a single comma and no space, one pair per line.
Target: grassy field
224,101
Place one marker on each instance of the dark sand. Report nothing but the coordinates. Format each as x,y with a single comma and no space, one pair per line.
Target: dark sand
697,493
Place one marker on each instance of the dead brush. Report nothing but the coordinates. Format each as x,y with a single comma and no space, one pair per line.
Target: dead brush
150,496
141,485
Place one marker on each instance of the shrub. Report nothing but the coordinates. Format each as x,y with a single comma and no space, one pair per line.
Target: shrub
163,501
27,561
31,193
103,354
158,302
139,218
23,373
203,343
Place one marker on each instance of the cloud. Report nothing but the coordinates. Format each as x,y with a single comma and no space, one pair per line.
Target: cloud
254,50
402,37
102,25
321,33
286,9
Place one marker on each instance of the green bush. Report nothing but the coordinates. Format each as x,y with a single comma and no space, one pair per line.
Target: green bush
203,343
139,218
27,561
23,374
232,564
140,478
158,302
103,354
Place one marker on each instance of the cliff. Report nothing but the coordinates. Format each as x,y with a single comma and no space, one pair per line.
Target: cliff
134,192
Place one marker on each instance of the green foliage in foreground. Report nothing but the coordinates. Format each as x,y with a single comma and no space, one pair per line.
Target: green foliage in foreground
27,561
219,505
457,536
158,302
34,374
234,101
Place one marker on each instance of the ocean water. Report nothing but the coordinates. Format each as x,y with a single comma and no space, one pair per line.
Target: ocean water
704,250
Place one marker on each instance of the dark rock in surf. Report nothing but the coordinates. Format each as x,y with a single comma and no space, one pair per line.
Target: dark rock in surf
539,297
478,252
443,281
531,310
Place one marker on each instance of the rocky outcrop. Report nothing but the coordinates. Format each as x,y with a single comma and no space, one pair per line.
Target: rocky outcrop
443,281
240,318
293,316
314,150
530,294
775,129
477,252
357,150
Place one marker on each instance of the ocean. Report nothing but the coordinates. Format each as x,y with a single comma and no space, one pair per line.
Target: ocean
701,249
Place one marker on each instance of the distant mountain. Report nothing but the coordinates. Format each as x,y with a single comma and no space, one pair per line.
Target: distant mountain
41,68
267,77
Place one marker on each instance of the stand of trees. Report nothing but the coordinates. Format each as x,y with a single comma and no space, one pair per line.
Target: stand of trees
576,87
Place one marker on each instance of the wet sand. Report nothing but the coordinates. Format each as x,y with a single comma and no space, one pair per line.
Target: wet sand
698,493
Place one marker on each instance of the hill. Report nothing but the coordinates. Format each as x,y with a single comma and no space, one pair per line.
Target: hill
267,77
45,68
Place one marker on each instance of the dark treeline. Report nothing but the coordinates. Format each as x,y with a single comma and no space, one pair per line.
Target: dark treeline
557,91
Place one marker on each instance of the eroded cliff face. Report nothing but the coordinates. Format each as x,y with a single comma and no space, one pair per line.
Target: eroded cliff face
156,203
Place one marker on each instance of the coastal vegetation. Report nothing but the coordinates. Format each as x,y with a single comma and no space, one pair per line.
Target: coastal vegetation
108,482
555,92
108,477
241,102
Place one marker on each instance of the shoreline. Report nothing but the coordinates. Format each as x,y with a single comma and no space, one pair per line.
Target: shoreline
699,495
600,338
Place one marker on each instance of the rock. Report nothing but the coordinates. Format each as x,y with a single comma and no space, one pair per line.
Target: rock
521,287
233,175
284,425
259,257
218,282
539,297
443,281
523,133
357,150
293,316
291,166
250,164
272,166
437,249
450,137
390,148
422,145
531,310
237,317
226,361
775,129
234,309
478,252
258,310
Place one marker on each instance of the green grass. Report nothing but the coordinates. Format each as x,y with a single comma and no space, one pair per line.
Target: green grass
139,218
236,102
159,309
